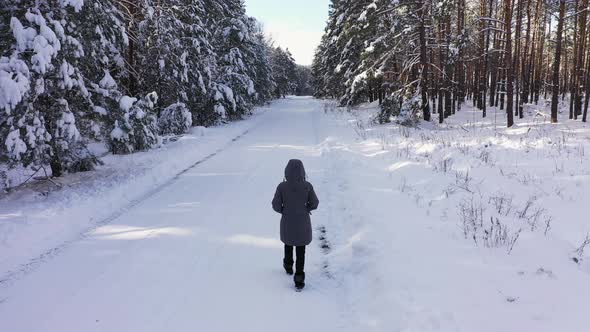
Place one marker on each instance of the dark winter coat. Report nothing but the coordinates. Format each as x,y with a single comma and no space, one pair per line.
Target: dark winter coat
295,199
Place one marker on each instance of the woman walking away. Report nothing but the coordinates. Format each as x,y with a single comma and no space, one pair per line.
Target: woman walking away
294,200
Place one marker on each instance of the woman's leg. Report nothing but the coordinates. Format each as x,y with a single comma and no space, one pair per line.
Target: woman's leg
288,254
288,260
300,265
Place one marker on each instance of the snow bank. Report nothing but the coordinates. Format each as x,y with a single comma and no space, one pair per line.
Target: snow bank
464,227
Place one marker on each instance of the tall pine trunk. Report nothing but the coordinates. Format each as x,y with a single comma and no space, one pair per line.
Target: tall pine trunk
556,63
508,64
580,77
516,62
423,60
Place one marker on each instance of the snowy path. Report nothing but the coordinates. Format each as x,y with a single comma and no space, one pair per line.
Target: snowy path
202,254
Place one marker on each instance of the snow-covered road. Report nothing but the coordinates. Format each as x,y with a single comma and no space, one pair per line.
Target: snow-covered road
200,255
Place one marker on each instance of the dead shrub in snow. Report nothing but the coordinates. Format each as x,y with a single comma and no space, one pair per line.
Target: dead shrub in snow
559,144
559,192
444,142
535,215
404,132
528,205
471,214
559,169
450,191
385,140
502,203
464,149
484,156
425,138
547,222
445,165
580,250
463,181
498,235
418,199
527,179
580,149
527,143
494,234
406,152
360,128
404,187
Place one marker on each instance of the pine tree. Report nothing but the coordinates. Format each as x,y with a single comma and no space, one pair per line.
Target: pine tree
284,72
319,69
234,91
51,112
122,73
173,53
334,43
260,63
303,84
369,39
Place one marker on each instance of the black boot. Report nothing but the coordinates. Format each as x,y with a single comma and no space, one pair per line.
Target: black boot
288,265
299,280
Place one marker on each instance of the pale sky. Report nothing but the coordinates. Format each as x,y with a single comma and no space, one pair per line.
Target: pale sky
295,24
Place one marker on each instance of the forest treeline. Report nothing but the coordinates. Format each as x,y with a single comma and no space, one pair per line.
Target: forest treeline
425,57
121,72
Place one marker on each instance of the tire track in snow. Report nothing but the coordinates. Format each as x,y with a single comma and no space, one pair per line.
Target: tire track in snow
10,277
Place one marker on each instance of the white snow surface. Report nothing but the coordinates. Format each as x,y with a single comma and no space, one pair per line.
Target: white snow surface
14,82
150,247
126,102
107,82
77,4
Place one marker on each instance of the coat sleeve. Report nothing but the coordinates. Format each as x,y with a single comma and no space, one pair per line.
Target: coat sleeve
277,201
312,199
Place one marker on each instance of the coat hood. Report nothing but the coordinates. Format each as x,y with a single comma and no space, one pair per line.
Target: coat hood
295,172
